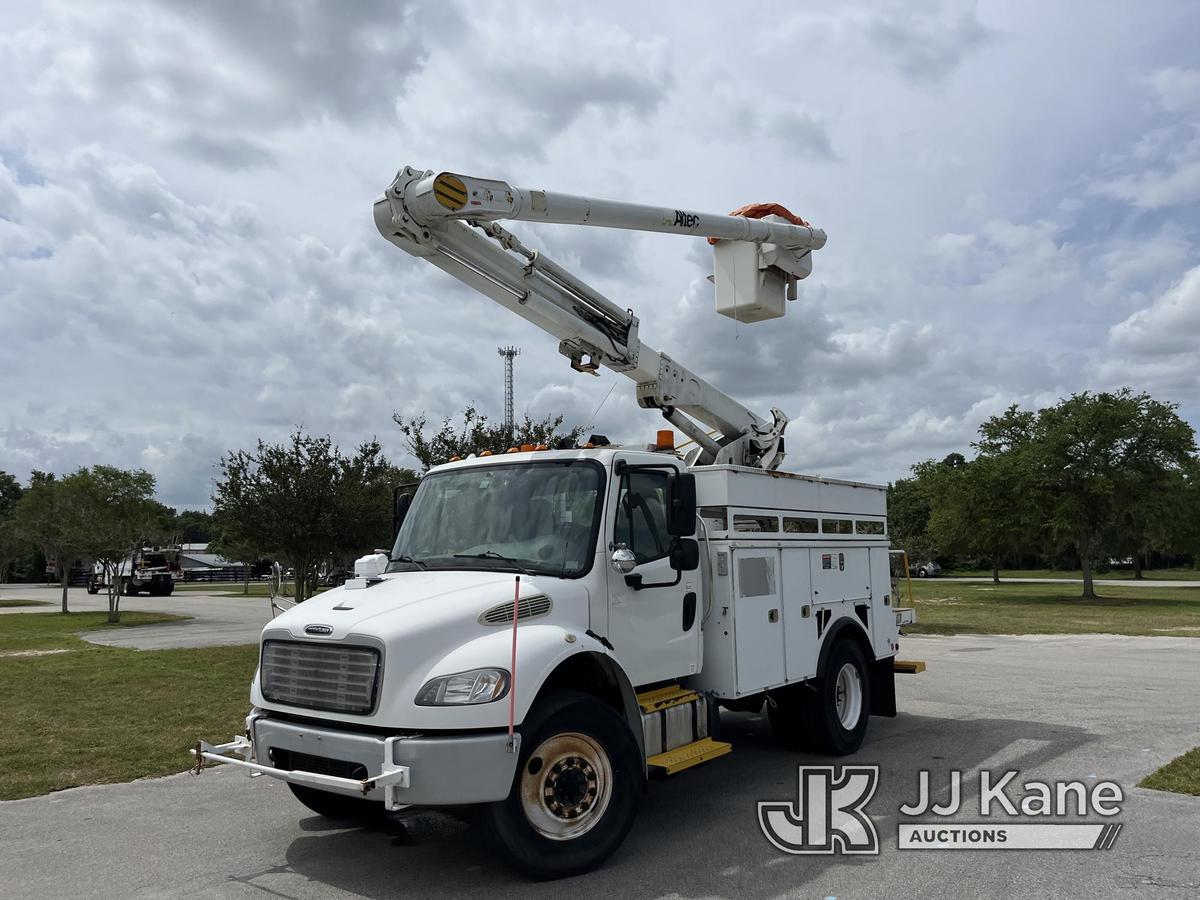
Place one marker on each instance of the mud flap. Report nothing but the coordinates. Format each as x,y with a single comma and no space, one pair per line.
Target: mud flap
883,687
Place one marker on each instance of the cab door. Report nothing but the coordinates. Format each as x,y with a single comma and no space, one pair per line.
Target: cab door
654,630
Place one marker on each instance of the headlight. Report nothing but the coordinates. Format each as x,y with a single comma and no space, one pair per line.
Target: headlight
464,688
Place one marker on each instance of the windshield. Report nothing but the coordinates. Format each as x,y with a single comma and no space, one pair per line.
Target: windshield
543,517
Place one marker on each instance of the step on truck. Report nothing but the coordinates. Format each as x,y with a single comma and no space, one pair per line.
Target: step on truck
553,626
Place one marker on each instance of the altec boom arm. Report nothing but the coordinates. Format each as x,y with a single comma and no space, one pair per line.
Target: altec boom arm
452,221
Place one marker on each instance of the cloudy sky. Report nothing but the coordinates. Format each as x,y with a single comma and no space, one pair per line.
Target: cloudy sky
188,260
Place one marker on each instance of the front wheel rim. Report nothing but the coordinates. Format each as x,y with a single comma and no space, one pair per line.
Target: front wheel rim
566,786
848,696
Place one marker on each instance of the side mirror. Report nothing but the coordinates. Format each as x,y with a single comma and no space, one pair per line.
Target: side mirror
682,519
685,555
623,560
400,505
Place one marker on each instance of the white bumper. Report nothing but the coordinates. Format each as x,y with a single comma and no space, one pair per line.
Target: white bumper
399,770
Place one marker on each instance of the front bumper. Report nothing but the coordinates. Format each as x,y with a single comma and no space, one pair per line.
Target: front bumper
399,770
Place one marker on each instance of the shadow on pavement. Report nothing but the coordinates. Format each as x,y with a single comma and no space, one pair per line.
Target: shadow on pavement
696,835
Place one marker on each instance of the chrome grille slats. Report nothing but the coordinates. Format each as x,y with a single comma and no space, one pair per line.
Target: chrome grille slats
537,605
332,677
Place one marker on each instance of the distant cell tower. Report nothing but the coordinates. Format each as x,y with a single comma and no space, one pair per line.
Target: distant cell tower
508,353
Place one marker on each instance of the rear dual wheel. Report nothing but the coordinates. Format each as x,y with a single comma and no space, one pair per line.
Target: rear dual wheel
829,714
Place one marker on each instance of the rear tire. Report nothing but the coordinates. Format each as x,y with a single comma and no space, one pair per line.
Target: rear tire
338,807
830,714
575,793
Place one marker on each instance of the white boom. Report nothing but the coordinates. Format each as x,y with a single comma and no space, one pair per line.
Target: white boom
451,220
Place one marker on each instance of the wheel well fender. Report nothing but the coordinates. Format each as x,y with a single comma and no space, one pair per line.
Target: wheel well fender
845,628
880,672
597,674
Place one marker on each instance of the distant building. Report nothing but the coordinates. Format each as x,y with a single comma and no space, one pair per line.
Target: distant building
200,565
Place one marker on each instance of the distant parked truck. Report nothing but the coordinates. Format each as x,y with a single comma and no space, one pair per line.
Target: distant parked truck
151,569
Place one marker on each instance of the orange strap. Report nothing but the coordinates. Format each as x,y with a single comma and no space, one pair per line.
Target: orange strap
761,210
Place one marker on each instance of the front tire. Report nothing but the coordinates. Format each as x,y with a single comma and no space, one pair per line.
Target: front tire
575,793
338,807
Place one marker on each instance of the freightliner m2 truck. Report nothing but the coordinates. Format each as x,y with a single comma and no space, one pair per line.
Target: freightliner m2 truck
553,626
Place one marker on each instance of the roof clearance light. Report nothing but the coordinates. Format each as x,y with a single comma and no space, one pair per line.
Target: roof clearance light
527,448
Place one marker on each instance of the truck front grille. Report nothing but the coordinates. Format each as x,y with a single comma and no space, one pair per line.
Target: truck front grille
320,676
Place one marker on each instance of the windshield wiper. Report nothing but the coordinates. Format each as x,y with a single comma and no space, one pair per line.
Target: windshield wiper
405,558
492,554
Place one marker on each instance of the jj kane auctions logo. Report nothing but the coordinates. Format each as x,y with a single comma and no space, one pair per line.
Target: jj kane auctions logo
829,814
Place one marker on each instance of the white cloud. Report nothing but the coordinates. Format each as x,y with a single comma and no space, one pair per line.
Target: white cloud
187,260
1178,89
1169,325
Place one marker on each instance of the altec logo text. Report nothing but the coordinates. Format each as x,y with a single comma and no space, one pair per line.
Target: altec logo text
829,815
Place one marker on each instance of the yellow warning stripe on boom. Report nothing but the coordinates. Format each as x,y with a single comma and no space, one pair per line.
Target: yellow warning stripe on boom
450,191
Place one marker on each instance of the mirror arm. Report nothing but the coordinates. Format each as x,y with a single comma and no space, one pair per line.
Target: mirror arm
634,580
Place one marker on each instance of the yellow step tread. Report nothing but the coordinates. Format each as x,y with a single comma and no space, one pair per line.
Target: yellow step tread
662,698
689,755
908,666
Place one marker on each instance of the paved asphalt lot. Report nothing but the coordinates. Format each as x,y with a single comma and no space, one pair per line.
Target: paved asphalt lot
217,619
1087,707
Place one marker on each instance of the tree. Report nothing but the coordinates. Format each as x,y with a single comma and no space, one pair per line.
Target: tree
983,509
11,545
910,505
1087,460
478,434
195,526
306,501
122,517
234,545
53,515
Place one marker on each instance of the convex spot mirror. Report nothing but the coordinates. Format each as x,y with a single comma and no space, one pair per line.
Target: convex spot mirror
623,560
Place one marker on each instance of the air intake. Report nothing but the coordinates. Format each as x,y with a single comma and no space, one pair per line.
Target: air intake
531,607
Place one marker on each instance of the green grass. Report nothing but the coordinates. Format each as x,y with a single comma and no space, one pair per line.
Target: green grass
9,602
107,714
1178,574
1181,775
960,608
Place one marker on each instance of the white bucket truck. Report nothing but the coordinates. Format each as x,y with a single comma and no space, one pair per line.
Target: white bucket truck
553,626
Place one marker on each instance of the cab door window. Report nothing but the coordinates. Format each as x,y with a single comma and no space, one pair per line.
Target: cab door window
642,515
